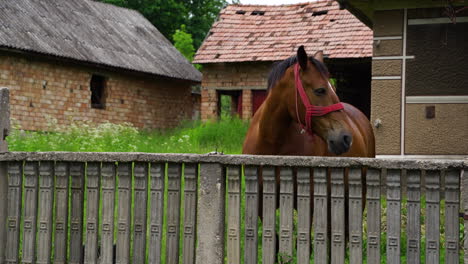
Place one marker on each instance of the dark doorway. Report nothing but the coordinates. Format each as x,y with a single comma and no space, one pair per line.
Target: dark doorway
353,81
229,103
258,96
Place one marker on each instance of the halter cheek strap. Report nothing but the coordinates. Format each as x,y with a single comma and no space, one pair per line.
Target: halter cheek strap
311,110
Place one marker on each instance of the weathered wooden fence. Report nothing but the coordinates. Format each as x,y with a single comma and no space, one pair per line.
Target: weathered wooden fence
74,207
170,208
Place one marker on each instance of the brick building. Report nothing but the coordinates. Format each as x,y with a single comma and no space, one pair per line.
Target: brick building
247,39
84,60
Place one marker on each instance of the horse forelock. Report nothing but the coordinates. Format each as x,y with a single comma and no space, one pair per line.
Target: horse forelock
279,68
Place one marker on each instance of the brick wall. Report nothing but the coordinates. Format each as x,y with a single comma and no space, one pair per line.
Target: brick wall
232,76
41,90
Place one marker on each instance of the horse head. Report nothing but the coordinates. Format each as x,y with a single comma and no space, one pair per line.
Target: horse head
312,101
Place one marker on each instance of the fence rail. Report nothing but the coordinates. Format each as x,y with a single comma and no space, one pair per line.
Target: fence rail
135,208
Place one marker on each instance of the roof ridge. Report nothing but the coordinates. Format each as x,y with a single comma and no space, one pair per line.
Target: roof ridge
279,5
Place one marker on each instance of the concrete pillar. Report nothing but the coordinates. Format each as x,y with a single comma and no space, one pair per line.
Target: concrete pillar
209,104
246,104
210,214
4,131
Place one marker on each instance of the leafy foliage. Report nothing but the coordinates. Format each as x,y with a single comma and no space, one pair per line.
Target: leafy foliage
169,15
183,42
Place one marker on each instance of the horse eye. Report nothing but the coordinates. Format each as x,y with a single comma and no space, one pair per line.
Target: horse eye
320,91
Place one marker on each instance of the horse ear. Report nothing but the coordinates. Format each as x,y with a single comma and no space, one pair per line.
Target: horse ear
319,56
302,57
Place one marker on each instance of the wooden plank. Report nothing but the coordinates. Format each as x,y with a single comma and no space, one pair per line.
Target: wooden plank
173,213
93,171
320,216
108,177
464,201
31,175
373,215
211,214
157,172
452,207
46,201
124,172
269,215
3,208
15,179
234,205
303,215
286,214
139,212
393,215
432,216
190,212
355,215
62,175
337,216
76,217
251,214
414,216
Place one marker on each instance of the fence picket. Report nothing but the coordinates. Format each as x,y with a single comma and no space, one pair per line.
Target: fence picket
320,216
15,179
139,212
62,175
46,200
432,216
124,171
173,213
76,217
355,215
303,215
393,215
190,212
464,201
92,211
156,211
452,207
234,200
414,216
269,215
337,212
31,174
373,215
286,213
251,214
108,201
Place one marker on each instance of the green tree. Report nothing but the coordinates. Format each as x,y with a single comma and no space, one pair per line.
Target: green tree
169,15
166,15
202,14
183,42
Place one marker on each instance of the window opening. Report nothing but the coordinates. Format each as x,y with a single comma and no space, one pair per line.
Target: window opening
97,86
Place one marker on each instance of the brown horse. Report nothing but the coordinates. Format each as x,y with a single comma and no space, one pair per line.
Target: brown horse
276,128
331,128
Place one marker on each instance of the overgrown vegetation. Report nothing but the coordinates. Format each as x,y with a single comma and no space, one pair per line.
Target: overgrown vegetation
225,136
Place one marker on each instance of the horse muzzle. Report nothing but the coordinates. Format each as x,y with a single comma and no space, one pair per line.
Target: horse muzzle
340,142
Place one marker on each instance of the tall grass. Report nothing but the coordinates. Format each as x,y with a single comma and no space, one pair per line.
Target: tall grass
226,136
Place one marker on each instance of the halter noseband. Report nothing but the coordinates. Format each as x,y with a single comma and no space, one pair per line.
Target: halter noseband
311,110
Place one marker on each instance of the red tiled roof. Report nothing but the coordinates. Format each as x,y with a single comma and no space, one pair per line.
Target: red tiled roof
245,33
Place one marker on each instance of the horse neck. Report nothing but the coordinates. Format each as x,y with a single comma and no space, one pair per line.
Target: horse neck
275,118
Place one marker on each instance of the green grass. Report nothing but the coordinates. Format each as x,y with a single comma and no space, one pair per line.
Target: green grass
226,136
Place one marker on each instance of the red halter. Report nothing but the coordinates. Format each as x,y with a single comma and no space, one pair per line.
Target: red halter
311,110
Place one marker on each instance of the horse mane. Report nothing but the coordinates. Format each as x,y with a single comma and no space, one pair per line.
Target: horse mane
279,68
